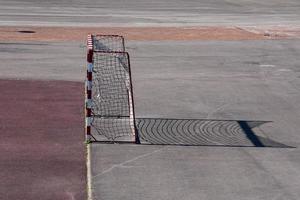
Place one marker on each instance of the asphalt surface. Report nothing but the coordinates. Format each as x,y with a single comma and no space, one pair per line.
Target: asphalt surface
149,13
173,172
43,157
240,80
253,80
43,61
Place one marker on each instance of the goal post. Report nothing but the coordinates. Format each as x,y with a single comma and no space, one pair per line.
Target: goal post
109,95
88,89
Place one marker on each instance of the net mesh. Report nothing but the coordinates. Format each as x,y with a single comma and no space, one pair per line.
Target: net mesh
111,83
112,110
108,43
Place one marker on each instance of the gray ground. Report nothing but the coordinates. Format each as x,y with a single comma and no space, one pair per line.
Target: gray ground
253,80
249,80
149,13
42,60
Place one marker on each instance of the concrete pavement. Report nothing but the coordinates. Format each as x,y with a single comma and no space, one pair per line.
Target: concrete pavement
253,80
245,80
149,13
249,80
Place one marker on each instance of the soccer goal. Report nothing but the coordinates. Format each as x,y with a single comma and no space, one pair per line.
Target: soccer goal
109,94
110,108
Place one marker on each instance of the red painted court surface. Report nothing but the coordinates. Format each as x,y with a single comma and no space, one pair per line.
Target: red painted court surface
42,153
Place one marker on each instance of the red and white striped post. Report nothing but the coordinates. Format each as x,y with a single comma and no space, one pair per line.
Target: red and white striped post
88,103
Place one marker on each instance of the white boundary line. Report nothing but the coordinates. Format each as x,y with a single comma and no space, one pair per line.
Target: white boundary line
89,172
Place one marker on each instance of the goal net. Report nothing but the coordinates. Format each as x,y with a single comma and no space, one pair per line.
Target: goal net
108,43
111,98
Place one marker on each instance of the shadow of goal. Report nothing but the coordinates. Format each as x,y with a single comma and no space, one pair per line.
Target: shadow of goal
110,108
203,132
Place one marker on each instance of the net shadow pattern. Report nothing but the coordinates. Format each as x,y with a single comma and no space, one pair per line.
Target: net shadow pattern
202,132
108,43
111,99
